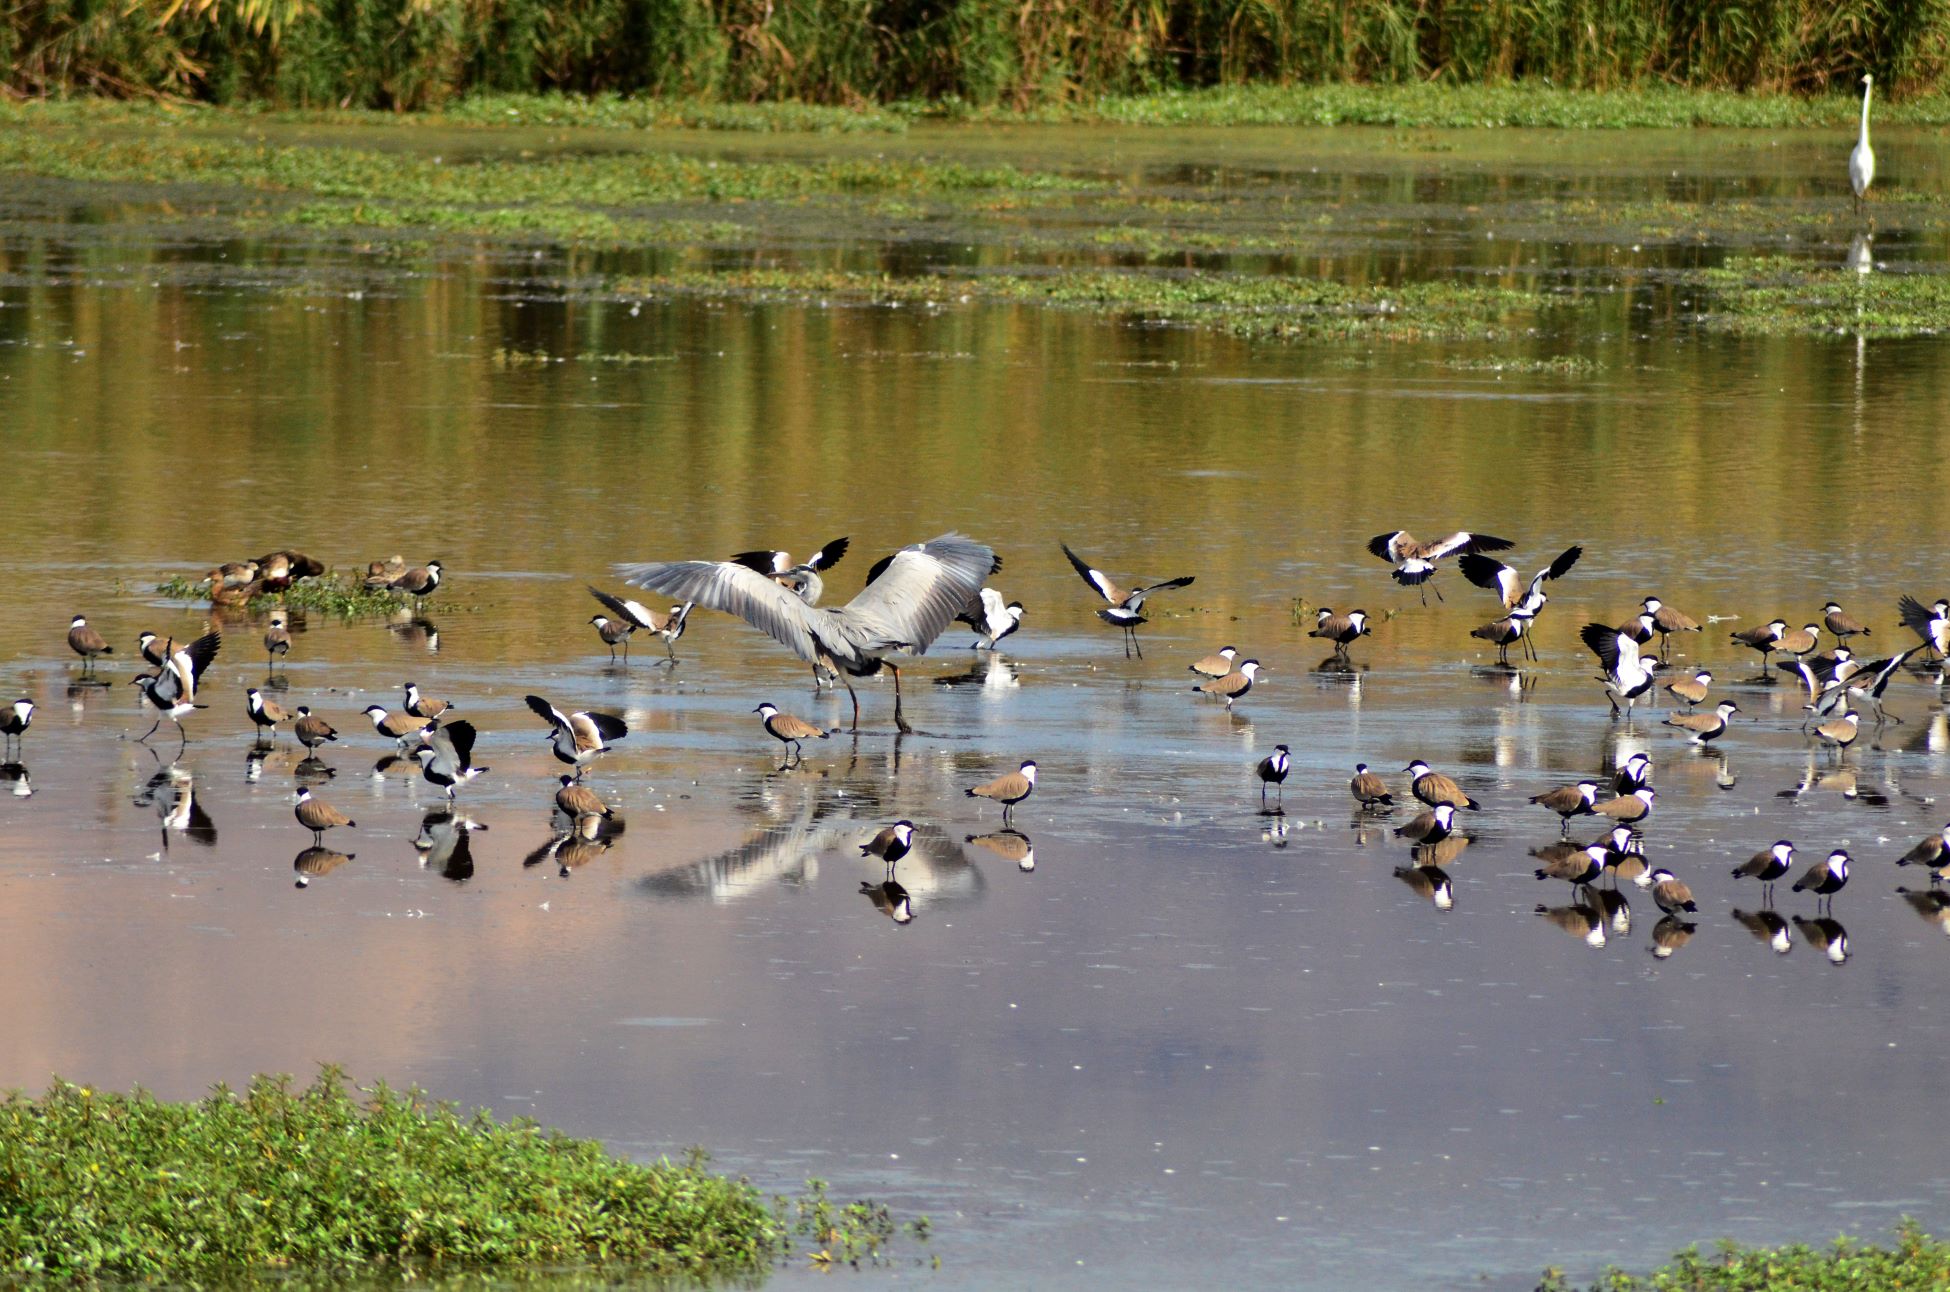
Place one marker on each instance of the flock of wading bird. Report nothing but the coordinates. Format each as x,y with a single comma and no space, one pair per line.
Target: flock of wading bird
912,596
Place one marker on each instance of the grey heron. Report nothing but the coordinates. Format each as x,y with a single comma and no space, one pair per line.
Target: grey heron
910,598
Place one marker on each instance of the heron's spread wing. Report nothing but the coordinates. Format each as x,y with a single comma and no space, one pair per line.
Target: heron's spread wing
756,598
629,611
919,593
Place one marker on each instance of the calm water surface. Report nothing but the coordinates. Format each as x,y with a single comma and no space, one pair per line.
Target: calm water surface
1192,1033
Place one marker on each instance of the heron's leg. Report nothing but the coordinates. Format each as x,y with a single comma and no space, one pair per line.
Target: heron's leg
900,723
856,698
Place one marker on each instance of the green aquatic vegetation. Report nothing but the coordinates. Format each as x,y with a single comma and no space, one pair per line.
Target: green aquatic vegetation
1916,1260
96,1185
1776,295
332,594
1253,307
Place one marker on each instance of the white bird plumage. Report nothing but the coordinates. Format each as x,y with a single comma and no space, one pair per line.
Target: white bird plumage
1862,158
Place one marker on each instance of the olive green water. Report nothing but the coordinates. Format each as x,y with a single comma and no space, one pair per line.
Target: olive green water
1192,1036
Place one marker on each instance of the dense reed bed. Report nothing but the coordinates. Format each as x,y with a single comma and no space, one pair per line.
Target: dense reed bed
409,54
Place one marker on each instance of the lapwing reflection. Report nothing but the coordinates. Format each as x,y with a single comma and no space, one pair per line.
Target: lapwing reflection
1669,935
890,899
1010,845
1825,934
1431,882
317,860
1932,904
1582,919
1768,927
444,847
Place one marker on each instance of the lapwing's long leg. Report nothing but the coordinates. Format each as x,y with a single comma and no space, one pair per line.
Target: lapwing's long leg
1135,642
143,739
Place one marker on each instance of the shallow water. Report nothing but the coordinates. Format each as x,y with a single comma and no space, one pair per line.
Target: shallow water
1192,1034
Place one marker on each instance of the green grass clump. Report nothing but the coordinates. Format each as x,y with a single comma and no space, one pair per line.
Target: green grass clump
1915,1261
329,594
102,1185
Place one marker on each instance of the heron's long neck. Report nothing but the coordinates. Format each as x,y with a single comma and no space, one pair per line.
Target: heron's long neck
1867,90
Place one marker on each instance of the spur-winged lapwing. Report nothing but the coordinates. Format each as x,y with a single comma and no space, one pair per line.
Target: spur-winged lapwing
1272,770
1933,853
1435,789
399,727
1767,866
420,581
1632,807
318,816
632,615
1008,789
991,616
86,642
311,730
1583,866
424,706
447,757
1932,625
1234,685
910,598
1825,878
1705,727
891,844
580,737
1766,639
1432,826
1509,586
1842,626
1216,665
14,721
575,800
788,731
1670,892
1628,674
1126,604
277,638
1369,790
266,714
1505,633
171,689
1692,689
1666,621
1636,773
1415,562
1569,801
1342,630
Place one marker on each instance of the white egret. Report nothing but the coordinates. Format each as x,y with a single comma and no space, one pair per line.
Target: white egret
1862,158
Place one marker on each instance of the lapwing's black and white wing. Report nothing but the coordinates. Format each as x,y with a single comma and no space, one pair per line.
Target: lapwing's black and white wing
453,747
632,612
1610,646
1391,545
912,596
1881,670
1095,578
1183,580
764,562
1559,565
1916,617
755,597
1464,541
1488,572
177,679
829,556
